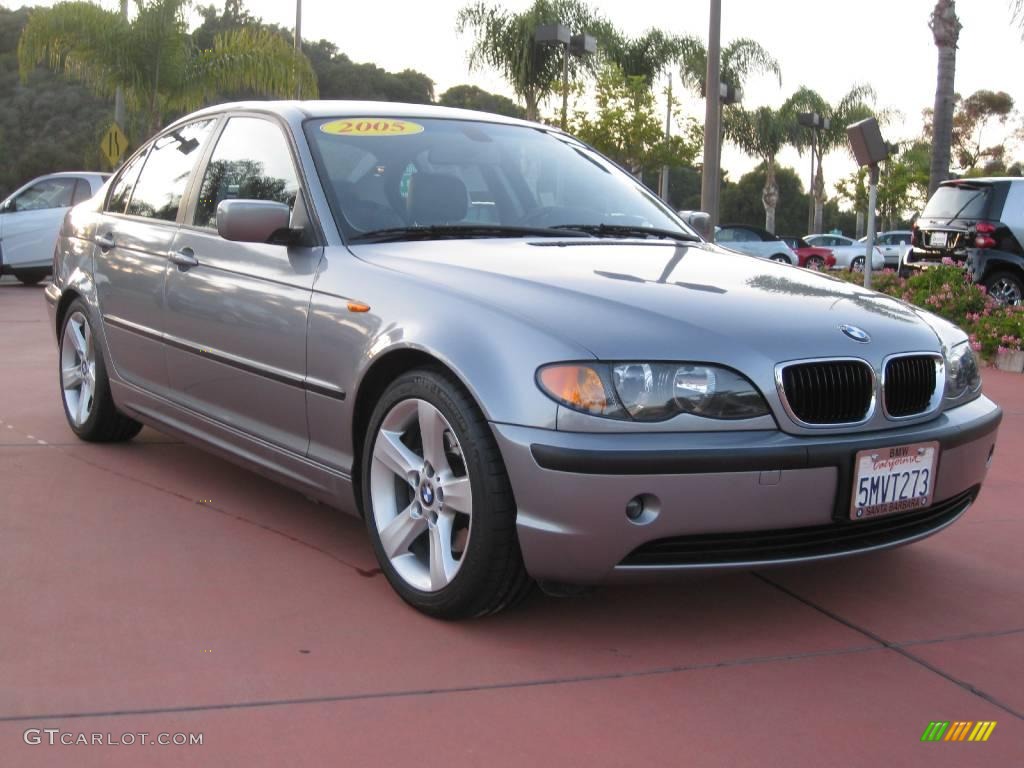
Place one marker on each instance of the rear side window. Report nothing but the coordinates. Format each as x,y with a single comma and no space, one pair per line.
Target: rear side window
251,161
959,201
122,190
82,192
161,185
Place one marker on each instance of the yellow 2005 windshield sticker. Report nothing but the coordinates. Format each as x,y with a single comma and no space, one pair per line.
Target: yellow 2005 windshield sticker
371,126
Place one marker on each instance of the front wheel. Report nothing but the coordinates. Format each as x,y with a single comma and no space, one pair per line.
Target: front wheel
857,265
438,502
815,262
1005,287
85,389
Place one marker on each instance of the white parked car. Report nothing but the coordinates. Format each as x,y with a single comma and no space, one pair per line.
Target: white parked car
755,241
848,252
894,245
30,219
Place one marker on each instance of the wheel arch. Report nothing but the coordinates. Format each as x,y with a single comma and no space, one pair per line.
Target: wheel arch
67,296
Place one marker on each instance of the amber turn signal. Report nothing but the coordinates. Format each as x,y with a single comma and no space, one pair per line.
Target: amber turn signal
358,306
578,386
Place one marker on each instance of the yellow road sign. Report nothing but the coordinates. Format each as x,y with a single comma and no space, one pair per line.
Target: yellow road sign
114,144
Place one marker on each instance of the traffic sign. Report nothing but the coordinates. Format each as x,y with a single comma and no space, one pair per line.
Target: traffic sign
114,144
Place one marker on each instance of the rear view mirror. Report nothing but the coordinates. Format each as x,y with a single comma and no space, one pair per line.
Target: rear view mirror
699,222
253,221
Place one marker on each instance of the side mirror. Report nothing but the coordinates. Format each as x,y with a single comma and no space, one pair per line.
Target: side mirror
253,221
700,222
7,206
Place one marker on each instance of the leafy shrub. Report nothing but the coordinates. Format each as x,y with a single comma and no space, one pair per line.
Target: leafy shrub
948,291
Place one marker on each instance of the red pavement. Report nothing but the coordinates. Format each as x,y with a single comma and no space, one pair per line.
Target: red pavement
150,587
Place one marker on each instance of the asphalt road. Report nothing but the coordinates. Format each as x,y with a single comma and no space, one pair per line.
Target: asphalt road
151,588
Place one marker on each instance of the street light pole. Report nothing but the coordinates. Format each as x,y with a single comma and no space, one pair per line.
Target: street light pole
665,170
712,112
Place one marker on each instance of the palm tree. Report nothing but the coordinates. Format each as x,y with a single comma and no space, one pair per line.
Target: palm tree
504,41
945,28
852,107
741,59
762,133
152,59
649,55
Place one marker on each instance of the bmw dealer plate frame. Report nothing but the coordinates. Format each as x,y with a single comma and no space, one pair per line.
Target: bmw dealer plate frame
899,478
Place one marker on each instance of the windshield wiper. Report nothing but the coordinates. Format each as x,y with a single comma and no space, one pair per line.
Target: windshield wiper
627,230
456,231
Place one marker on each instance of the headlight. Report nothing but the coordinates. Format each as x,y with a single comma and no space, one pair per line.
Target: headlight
652,391
962,374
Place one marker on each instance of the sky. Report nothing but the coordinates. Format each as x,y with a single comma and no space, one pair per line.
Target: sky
823,44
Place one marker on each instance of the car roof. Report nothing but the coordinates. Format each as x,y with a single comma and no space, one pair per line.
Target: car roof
76,174
345,108
981,180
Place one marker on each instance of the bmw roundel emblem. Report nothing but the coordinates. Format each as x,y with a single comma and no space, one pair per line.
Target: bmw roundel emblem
855,333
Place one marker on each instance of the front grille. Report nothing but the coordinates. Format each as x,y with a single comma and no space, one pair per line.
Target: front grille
828,392
795,543
909,385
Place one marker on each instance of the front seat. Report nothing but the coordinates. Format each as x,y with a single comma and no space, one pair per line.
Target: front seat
436,198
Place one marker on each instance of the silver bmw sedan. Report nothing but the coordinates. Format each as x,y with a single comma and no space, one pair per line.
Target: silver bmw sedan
503,352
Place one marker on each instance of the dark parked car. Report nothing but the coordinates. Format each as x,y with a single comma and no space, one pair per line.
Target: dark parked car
978,223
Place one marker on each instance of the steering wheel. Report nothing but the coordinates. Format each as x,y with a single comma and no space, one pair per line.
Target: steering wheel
553,215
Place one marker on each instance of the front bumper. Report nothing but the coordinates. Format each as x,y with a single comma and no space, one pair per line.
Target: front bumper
572,490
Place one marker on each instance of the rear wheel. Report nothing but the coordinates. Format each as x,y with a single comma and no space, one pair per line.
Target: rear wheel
857,265
438,502
781,258
85,389
30,276
1005,287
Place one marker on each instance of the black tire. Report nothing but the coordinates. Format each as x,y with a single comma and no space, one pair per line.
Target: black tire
857,265
491,576
30,277
1005,286
105,423
780,257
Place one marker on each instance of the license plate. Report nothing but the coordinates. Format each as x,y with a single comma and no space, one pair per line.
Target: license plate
895,479
937,239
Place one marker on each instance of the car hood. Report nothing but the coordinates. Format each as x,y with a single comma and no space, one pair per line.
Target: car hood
630,300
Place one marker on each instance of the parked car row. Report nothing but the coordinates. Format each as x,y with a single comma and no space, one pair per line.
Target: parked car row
30,219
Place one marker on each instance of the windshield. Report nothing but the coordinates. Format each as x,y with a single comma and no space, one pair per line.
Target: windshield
440,176
958,201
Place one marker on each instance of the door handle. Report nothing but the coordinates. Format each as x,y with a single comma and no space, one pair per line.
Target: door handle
185,258
106,242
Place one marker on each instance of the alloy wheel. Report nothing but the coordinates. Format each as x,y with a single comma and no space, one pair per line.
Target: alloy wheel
78,368
421,496
1005,291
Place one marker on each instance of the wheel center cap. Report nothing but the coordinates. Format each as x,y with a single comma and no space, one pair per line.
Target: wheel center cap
427,494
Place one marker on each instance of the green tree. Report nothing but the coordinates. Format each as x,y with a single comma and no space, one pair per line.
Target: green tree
742,200
504,41
741,59
651,54
625,127
762,133
902,185
474,97
945,28
852,107
152,57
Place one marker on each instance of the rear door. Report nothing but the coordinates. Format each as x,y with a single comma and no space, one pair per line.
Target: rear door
133,238
236,319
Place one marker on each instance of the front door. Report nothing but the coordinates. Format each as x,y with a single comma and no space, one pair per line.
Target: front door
235,320
133,237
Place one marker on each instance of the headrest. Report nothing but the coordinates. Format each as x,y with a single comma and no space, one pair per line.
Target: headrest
437,198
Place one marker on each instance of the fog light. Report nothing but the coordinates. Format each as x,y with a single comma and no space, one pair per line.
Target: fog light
635,508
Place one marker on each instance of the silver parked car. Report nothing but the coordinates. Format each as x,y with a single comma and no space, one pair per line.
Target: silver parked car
504,353
755,241
894,246
30,218
848,252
